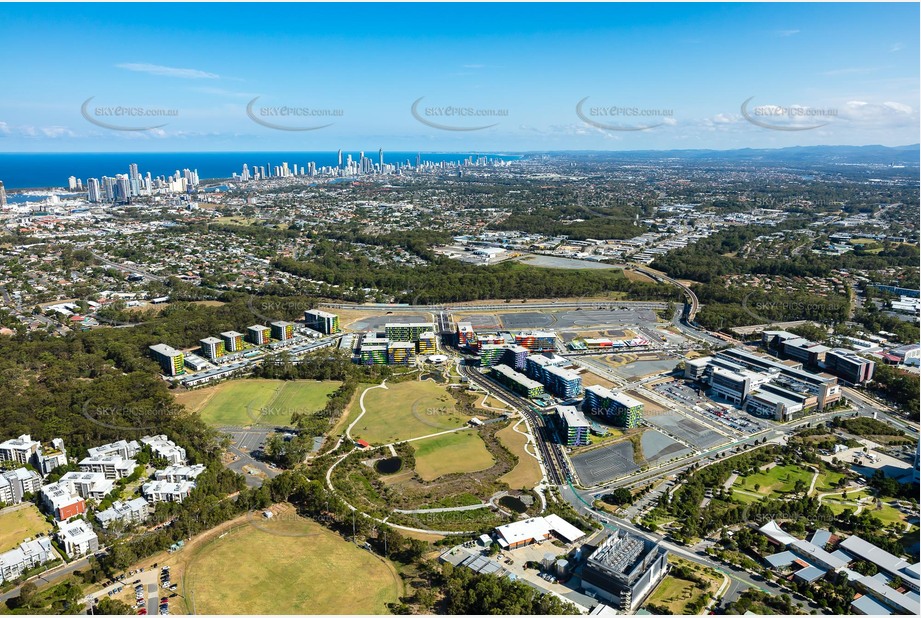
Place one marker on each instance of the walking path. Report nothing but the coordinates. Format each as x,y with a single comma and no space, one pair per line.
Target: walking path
361,404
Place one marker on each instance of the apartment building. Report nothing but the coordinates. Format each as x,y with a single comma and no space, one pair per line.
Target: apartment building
172,361
167,491
127,513
17,483
28,555
164,448
77,538
111,466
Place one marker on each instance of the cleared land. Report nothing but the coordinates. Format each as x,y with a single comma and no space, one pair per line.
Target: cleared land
461,451
19,525
289,565
241,403
526,473
407,410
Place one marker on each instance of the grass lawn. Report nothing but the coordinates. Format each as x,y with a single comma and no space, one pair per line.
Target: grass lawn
17,526
828,480
526,473
779,479
888,514
289,566
263,402
407,410
676,593
461,451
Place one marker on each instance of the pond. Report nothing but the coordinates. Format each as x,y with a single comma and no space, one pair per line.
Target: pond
512,503
391,465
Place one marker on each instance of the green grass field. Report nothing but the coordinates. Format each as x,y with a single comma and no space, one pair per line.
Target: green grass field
461,451
19,525
827,481
263,402
289,566
676,593
779,479
407,410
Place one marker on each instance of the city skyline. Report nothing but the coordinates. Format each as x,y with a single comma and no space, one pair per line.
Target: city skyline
440,77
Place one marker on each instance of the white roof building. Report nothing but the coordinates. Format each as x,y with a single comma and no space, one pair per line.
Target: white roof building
77,537
535,530
165,448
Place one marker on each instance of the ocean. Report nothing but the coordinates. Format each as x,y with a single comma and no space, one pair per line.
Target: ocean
43,170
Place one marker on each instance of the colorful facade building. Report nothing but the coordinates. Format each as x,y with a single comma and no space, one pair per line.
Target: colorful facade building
491,354
516,357
625,411
397,331
172,361
426,344
516,382
322,321
373,354
466,337
233,341
212,348
574,427
257,334
537,341
401,353
564,383
282,331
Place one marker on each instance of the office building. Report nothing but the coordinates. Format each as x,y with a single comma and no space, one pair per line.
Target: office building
233,341
77,538
573,426
171,361
788,374
322,321
257,334
282,331
212,348
516,382
625,569
536,530
847,365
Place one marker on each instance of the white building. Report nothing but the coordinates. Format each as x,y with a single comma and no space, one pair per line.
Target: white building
130,512
165,448
17,483
177,474
77,537
87,485
113,466
20,450
166,491
125,450
28,555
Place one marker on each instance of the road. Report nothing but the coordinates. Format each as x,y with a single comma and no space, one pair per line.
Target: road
51,576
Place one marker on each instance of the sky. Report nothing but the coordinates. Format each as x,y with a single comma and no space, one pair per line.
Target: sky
456,77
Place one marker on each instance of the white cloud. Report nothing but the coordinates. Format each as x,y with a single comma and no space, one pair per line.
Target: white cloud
896,47
156,69
221,92
786,33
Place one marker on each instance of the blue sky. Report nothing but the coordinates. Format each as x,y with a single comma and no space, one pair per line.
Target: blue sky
812,74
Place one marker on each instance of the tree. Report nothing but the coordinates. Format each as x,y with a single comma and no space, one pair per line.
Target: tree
113,607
